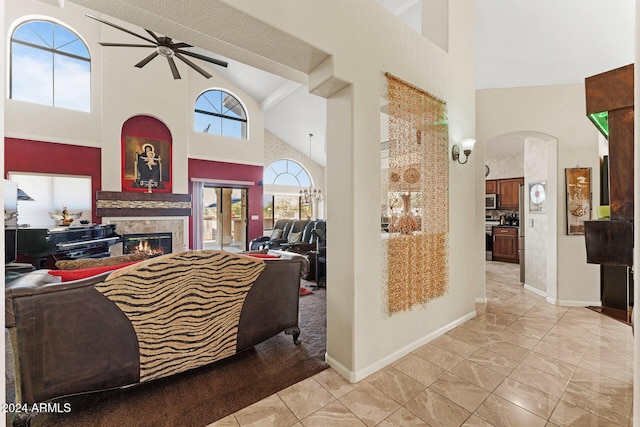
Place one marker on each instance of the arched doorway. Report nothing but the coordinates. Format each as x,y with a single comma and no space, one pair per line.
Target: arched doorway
534,157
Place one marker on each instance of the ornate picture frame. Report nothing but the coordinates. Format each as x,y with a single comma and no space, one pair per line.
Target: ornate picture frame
146,165
146,155
578,191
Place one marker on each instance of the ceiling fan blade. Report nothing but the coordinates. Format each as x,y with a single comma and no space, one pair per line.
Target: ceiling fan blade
152,34
174,69
192,65
204,58
180,45
146,60
120,28
125,44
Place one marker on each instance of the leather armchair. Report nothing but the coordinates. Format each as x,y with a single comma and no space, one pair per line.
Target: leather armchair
280,228
289,228
308,240
312,245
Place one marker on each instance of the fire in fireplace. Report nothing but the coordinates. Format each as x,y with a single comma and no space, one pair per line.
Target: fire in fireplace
154,244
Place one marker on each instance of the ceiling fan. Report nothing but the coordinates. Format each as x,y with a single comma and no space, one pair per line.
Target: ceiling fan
164,46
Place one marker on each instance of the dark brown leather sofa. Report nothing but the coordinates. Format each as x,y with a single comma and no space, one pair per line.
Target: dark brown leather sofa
150,320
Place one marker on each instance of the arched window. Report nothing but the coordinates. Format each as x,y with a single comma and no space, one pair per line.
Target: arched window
50,65
286,172
220,113
290,205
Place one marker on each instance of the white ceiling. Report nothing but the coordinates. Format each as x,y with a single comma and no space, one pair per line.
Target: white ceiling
519,43
548,42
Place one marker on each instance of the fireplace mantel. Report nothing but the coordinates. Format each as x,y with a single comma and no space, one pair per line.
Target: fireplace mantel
117,204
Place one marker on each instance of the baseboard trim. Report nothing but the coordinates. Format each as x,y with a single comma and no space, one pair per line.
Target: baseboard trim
342,370
535,290
571,303
356,376
562,303
481,300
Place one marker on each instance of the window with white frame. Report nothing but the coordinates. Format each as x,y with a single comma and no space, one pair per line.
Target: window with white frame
50,65
51,194
285,172
220,113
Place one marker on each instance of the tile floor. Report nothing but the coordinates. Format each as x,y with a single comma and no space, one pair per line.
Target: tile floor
520,362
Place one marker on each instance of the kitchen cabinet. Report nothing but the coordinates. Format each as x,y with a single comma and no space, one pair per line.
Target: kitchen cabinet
491,186
505,244
508,193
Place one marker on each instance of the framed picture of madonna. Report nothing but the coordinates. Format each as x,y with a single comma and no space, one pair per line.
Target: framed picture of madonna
146,162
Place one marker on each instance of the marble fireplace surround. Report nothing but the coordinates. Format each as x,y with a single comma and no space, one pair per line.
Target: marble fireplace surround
142,213
136,225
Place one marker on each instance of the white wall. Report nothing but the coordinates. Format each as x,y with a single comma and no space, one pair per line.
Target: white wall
506,166
540,165
120,91
361,337
557,111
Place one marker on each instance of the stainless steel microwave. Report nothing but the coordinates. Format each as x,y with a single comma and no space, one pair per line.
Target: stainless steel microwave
491,201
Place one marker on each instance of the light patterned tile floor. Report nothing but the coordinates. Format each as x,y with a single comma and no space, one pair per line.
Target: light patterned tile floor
520,362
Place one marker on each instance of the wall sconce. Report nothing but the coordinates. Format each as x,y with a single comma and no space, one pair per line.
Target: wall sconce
467,147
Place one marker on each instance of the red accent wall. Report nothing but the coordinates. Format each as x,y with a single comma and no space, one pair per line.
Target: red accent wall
207,169
22,155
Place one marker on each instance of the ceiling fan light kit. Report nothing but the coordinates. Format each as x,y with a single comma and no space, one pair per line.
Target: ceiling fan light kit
163,46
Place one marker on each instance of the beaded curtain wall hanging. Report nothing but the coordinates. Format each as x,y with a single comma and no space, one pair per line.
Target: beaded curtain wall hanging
416,248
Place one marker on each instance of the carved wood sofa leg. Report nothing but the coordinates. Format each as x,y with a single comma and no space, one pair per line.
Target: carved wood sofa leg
295,331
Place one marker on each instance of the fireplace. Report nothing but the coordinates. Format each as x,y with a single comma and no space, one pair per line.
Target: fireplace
154,244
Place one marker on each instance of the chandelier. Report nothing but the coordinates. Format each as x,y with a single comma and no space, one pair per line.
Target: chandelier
311,195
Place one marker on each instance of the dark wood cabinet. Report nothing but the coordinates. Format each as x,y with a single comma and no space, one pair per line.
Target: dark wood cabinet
610,243
505,244
509,193
491,186
616,288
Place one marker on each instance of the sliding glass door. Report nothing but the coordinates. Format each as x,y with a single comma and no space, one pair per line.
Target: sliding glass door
224,218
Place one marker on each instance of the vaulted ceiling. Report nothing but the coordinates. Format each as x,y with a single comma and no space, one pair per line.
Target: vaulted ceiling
519,43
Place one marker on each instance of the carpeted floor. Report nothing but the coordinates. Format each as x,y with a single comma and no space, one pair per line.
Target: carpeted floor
202,396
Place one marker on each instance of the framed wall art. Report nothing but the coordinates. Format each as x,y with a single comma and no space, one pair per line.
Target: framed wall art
537,196
146,156
578,188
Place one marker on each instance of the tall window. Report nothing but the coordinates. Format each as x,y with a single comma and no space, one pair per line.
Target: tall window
220,113
50,65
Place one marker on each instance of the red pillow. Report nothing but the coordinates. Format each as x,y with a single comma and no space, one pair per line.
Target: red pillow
267,256
70,275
